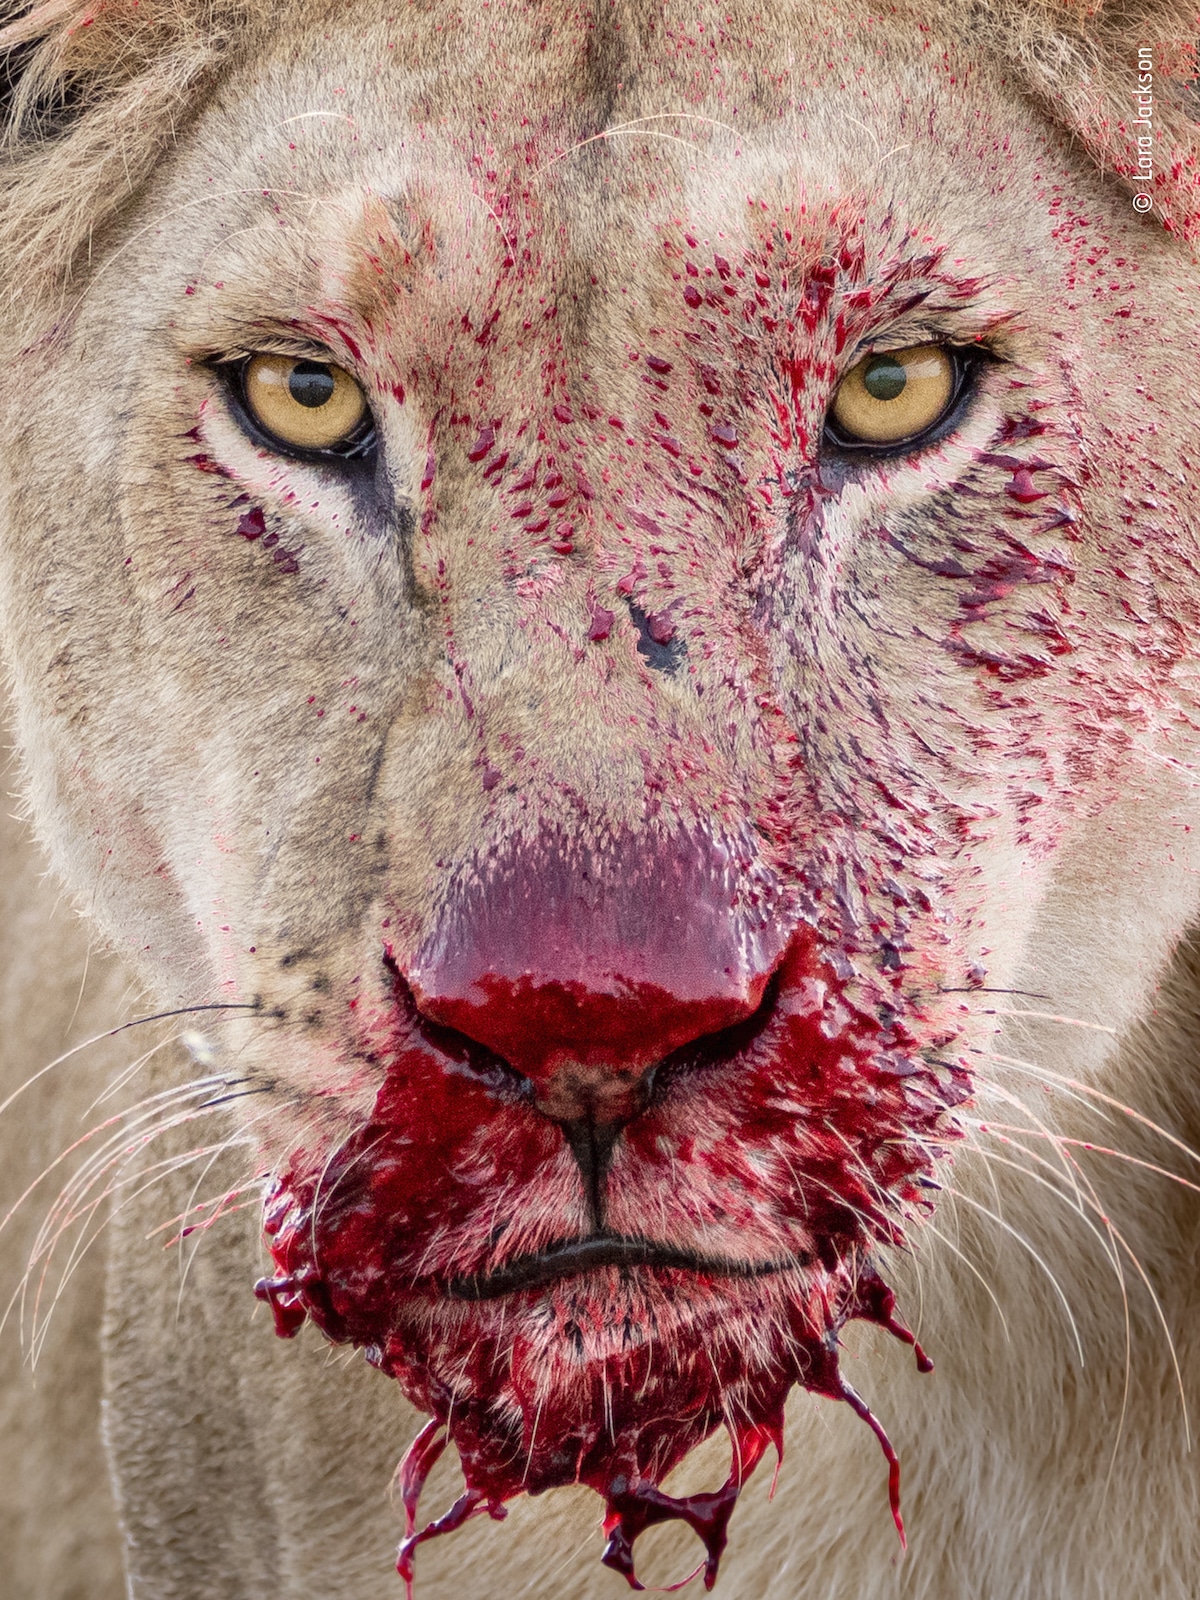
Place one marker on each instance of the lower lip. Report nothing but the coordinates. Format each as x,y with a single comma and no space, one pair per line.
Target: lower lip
537,1272
634,1503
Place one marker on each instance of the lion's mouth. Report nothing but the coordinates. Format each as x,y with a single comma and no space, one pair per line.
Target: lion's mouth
620,1186
575,1256
576,1342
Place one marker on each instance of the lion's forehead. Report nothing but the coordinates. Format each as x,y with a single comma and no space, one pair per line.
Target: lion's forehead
434,142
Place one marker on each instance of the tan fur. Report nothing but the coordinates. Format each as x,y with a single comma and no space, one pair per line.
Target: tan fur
246,1468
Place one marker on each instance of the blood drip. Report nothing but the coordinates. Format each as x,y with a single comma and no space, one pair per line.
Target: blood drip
631,1508
418,1462
633,1503
283,1297
877,1304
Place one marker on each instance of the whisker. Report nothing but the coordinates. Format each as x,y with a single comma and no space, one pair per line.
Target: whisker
72,1203
1141,1272
139,1114
318,1201
1030,994
985,1086
1112,1253
1092,1094
154,1102
1069,1167
971,1267
1048,1016
225,1210
153,1175
635,123
333,1154
978,1205
37,1254
244,1094
111,1033
113,1157
1095,1149
180,1219
239,1137
115,1152
115,1085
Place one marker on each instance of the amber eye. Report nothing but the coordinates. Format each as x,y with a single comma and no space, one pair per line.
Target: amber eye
887,399
308,405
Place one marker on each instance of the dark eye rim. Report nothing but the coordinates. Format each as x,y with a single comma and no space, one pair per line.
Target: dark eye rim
968,362
357,450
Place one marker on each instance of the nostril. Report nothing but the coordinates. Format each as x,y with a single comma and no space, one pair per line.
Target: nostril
460,1048
725,1044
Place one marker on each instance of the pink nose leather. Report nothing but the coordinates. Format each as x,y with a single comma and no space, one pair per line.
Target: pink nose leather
592,965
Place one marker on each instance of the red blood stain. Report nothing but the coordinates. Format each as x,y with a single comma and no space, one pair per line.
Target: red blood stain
484,441
353,1239
286,560
1022,488
660,627
252,524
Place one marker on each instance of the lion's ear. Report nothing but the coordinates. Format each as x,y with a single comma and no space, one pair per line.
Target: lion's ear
92,92
1088,62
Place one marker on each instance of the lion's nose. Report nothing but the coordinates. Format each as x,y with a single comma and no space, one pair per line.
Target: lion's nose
584,966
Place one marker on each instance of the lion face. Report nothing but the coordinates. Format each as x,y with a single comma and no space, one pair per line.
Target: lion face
610,761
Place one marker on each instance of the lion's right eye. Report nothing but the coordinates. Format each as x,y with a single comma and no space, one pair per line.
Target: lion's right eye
305,405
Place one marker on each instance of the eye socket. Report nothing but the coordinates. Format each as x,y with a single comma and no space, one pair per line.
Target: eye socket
890,398
305,405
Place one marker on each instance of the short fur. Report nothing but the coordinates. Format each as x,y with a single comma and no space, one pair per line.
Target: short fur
179,177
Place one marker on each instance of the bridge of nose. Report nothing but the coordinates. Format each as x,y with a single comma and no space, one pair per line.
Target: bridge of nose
559,959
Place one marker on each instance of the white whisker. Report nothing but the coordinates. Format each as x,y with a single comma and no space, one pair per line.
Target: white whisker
1047,1016
1093,1094
978,1205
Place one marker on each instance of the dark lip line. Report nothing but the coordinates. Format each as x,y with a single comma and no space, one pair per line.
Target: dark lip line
574,1256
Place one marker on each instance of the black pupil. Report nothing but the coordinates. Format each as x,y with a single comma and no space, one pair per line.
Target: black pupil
884,378
311,384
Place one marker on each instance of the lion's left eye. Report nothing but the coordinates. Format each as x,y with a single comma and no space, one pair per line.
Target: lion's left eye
894,398
305,405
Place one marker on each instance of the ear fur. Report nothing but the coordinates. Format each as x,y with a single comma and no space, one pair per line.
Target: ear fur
1080,59
94,91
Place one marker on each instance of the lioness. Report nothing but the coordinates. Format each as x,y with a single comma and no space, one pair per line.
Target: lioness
602,605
